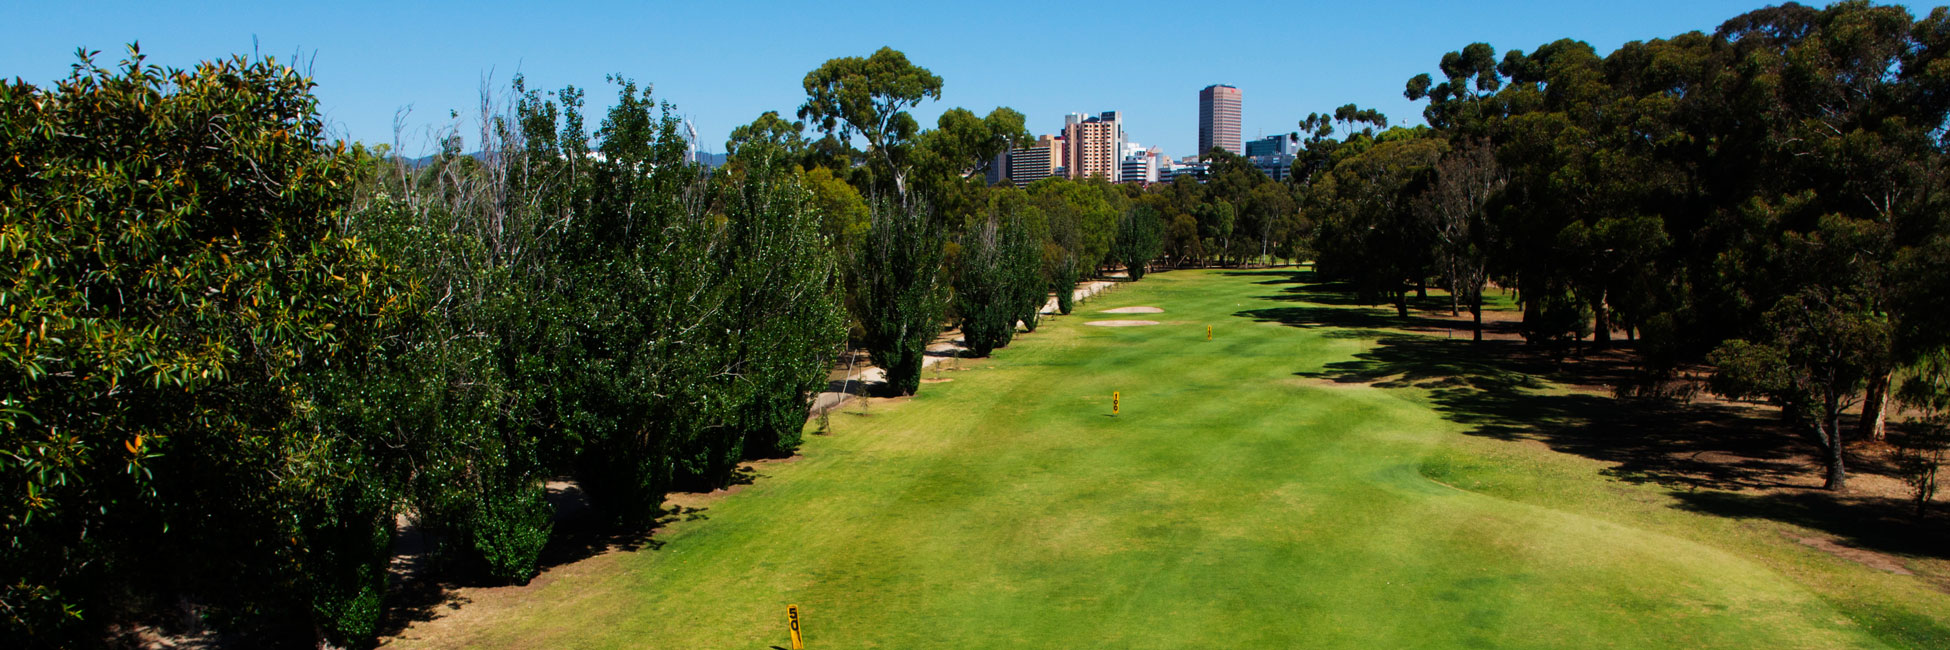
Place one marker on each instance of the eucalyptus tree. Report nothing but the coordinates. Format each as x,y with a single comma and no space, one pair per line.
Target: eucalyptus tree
1454,207
951,161
869,97
1819,348
1369,231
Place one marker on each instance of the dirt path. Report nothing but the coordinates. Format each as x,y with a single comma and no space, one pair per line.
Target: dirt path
846,384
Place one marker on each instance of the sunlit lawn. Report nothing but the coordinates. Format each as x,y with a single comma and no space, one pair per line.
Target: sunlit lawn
1245,497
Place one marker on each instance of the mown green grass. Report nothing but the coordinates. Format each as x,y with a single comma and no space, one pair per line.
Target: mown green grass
1242,498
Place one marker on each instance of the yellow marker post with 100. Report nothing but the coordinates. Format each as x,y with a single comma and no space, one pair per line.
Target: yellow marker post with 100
792,623
1114,398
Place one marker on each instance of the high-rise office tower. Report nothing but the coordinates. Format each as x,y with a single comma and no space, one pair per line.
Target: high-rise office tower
1093,144
1218,118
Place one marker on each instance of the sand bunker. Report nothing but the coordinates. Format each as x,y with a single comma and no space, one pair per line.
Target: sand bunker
1122,323
1134,310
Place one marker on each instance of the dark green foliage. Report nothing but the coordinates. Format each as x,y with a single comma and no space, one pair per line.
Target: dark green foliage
1924,450
237,355
1064,274
442,389
898,293
640,295
1081,217
788,322
176,285
1689,192
1140,239
869,96
1820,348
1370,233
983,296
507,526
344,550
999,280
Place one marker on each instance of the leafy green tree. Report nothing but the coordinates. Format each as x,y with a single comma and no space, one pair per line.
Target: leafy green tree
790,321
1140,239
1465,183
844,218
899,295
1820,349
1216,222
870,97
1271,216
1082,217
1176,203
1027,253
772,131
178,285
1469,75
1369,230
985,287
436,392
1923,453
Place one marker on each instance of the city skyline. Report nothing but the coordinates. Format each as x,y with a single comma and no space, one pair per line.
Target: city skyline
722,66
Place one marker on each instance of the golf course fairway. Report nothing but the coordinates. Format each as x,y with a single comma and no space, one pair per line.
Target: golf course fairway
1244,496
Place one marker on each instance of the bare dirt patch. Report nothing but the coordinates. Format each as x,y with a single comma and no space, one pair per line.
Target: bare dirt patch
1864,557
1323,382
1122,323
1133,310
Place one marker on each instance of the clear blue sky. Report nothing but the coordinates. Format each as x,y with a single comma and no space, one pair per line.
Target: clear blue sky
722,63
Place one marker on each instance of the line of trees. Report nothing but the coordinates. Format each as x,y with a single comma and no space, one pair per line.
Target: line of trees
236,353
1767,198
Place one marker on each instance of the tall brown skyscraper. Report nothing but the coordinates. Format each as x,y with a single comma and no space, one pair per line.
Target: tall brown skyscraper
1218,119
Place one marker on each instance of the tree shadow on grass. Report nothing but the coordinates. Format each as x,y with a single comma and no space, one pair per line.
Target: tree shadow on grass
1882,524
1308,287
420,588
1373,321
1276,276
1718,458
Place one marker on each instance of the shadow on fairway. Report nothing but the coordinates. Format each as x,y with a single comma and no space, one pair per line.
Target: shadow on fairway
1334,304
422,588
1274,276
1715,458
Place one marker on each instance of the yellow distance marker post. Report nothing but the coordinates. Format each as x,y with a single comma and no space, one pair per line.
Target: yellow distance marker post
792,623
1208,332
1114,398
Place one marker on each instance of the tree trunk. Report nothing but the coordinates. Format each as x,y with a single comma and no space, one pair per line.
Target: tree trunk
1874,409
1601,328
1533,313
1454,304
1401,303
1830,432
1421,289
1476,314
